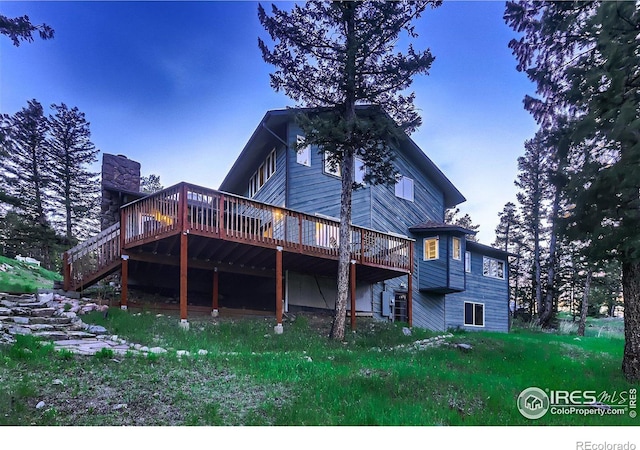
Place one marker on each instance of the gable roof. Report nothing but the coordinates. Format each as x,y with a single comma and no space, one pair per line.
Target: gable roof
272,128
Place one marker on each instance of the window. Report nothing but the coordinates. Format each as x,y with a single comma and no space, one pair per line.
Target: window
431,248
467,262
492,268
262,175
303,156
404,188
329,168
457,249
360,171
474,314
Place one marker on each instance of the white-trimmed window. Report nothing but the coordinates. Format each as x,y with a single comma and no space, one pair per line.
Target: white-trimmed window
262,175
492,268
456,251
329,168
303,155
467,262
360,171
404,188
474,314
431,248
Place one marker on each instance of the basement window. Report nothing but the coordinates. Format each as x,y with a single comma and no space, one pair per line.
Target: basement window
474,314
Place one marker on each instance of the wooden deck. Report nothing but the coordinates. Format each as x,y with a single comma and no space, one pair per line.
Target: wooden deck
194,227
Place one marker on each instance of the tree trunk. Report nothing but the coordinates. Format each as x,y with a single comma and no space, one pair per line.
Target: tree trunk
546,315
344,249
585,304
631,294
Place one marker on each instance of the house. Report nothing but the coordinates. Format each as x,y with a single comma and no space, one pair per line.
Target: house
275,217
456,283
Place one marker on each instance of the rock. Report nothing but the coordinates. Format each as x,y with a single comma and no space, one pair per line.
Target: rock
464,347
119,406
42,312
203,352
40,405
5,311
21,320
406,331
69,314
181,353
155,350
96,329
45,297
57,382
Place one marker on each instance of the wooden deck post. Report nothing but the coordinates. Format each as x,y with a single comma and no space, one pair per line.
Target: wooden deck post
124,280
216,279
410,288
278,328
66,268
352,283
183,280
184,226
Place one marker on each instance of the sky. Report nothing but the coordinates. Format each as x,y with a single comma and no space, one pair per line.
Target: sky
181,86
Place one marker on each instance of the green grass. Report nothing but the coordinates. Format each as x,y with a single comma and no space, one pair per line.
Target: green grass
25,278
251,376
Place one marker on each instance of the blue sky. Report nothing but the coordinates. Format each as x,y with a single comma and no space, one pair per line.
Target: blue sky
180,87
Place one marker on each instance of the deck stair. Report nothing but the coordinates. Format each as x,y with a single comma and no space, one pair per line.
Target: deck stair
92,260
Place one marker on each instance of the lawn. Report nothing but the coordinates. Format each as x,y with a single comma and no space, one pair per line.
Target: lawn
19,277
251,376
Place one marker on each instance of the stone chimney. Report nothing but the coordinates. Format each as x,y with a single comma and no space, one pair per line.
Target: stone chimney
120,185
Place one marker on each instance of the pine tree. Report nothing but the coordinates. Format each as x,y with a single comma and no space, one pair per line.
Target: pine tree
150,184
27,167
451,216
75,187
533,185
331,57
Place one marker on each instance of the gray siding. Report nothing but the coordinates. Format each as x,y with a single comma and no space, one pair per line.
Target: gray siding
312,191
273,191
390,213
433,273
491,292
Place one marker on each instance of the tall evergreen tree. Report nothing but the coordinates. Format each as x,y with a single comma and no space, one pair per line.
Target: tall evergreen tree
584,59
533,185
75,187
331,57
28,164
27,167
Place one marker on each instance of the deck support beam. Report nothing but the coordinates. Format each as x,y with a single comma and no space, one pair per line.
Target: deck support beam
410,289
124,280
278,328
183,279
215,307
352,286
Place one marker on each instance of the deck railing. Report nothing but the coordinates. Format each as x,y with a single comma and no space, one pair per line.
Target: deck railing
229,217
95,256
